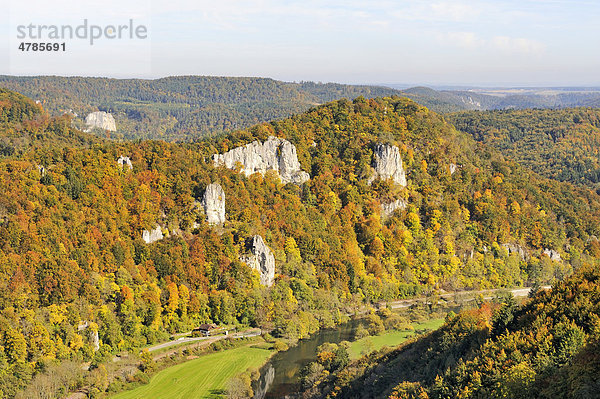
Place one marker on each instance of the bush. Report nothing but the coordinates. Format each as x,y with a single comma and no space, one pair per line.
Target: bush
280,346
311,375
240,387
361,332
268,337
375,325
142,378
148,364
397,322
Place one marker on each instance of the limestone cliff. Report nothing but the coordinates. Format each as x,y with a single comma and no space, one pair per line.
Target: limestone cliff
552,254
214,204
517,249
95,339
261,259
388,208
100,120
153,235
274,154
125,162
388,164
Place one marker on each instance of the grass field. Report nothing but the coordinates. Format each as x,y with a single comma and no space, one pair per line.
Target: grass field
205,377
391,338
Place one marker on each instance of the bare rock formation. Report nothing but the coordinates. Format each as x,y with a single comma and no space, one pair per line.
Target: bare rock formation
274,154
100,120
93,333
125,162
388,164
261,259
153,235
214,204
388,208
552,254
518,249
95,339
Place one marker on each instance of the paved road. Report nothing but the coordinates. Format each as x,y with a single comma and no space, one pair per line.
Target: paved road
462,295
404,303
182,340
185,340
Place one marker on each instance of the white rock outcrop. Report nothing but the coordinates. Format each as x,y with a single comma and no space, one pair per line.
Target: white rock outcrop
125,161
452,168
274,154
261,259
517,249
388,164
95,339
213,202
552,254
153,235
388,208
100,120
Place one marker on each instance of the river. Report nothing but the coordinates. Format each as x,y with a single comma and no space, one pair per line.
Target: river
281,376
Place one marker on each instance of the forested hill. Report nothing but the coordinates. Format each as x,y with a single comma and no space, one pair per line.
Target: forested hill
546,348
24,124
182,108
562,144
72,220
186,108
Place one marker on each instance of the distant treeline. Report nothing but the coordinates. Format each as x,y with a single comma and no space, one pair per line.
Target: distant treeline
561,144
183,108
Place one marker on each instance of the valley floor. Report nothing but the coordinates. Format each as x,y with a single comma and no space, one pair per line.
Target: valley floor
205,377
390,338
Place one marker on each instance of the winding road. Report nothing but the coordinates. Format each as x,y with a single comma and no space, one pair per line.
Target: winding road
184,340
464,296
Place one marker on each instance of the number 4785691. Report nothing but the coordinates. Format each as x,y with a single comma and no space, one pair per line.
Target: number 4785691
42,46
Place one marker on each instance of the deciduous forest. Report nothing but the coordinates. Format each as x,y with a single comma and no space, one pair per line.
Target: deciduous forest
73,261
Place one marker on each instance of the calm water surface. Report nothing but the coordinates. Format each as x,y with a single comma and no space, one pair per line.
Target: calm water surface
280,377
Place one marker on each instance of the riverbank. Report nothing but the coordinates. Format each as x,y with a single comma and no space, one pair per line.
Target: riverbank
180,355
392,338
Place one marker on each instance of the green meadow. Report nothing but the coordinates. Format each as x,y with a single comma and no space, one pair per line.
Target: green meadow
205,377
391,338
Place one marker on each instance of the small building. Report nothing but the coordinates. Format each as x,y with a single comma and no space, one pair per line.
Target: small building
206,330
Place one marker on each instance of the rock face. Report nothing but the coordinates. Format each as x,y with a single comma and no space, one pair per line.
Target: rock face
95,339
452,168
514,248
125,162
389,208
101,120
262,259
214,204
388,164
274,154
552,254
153,235
93,333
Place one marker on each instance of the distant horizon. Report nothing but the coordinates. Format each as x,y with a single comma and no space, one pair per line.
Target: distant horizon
396,86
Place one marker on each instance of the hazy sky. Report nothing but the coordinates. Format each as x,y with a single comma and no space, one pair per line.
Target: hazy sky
504,42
